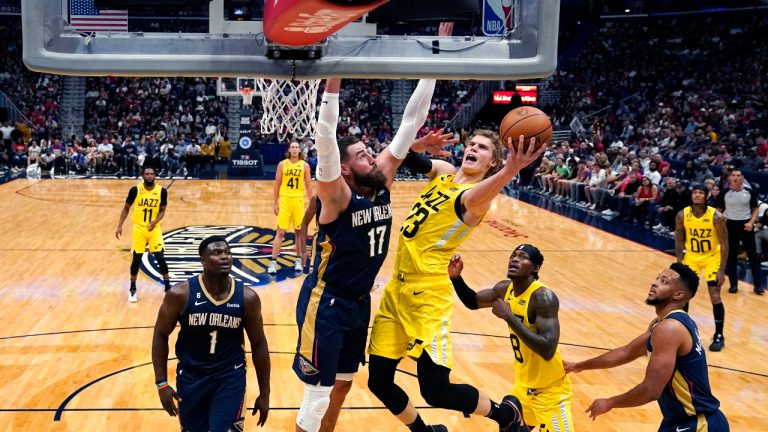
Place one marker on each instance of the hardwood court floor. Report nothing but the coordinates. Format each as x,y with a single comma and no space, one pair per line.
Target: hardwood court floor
71,345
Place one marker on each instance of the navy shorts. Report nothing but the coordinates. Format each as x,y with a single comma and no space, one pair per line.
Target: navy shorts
332,334
211,402
716,422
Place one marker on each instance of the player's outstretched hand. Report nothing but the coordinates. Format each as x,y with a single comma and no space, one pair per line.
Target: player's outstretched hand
262,407
501,308
572,367
167,397
433,143
598,407
455,266
520,157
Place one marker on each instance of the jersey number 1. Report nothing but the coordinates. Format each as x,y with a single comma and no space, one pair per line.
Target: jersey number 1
213,341
381,231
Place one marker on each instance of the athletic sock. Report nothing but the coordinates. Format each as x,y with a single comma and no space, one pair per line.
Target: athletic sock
418,425
719,311
133,286
499,414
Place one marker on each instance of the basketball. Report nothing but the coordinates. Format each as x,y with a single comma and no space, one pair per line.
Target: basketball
528,121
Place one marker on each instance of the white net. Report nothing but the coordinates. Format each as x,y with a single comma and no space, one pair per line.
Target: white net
289,107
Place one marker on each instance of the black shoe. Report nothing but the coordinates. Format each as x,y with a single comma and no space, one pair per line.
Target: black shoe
515,411
437,428
718,343
733,290
759,291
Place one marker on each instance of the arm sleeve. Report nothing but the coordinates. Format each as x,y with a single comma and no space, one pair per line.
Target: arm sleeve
752,199
465,293
418,163
132,195
164,197
414,116
328,160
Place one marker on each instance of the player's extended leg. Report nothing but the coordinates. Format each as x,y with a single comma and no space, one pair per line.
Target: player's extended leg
381,382
157,248
718,310
135,265
277,245
438,391
338,394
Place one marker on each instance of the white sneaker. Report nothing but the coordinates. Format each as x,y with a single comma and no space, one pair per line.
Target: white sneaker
297,265
272,267
607,212
132,297
658,227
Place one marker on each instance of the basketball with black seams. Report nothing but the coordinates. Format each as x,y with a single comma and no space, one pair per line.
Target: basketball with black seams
528,121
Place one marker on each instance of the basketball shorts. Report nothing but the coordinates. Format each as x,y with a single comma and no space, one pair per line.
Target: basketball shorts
549,408
709,264
415,317
211,402
711,422
290,212
141,237
332,333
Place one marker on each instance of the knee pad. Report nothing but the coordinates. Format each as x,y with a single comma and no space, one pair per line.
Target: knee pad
313,407
161,264
136,263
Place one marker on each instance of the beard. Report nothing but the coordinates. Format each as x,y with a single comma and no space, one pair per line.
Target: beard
656,301
149,183
374,179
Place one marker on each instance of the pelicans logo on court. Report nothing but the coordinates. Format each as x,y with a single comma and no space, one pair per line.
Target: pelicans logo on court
251,253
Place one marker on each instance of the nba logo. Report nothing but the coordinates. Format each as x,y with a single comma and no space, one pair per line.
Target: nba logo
497,17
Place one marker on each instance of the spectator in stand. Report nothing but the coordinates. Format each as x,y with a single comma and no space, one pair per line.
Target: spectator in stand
723,157
739,205
224,149
545,168
18,155
653,173
573,189
674,198
596,181
604,196
208,155
761,231
714,192
704,173
626,191
561,171
643,203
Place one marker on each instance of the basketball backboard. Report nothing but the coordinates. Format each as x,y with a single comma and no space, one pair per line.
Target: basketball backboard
232,48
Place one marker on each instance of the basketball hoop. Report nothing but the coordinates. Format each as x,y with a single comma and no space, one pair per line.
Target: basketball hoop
247,94
289,107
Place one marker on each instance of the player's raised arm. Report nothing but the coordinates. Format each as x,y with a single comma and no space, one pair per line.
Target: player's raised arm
173,306
254,327
471,299
477,201
332,190
616,357
666,339
414,116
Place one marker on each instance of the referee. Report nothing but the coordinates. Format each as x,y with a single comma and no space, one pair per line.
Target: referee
740,208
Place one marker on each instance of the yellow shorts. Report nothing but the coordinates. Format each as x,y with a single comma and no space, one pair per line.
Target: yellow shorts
141,238
709,264
415,317
549,408
291,209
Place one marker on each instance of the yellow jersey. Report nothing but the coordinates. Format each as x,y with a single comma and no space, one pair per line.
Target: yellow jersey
147,203
531,370
433,229
293,179
700,234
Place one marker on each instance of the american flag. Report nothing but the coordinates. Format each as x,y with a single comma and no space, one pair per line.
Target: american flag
84,17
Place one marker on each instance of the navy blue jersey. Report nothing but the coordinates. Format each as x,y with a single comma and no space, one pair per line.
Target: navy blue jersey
688,392
349,251
211,335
